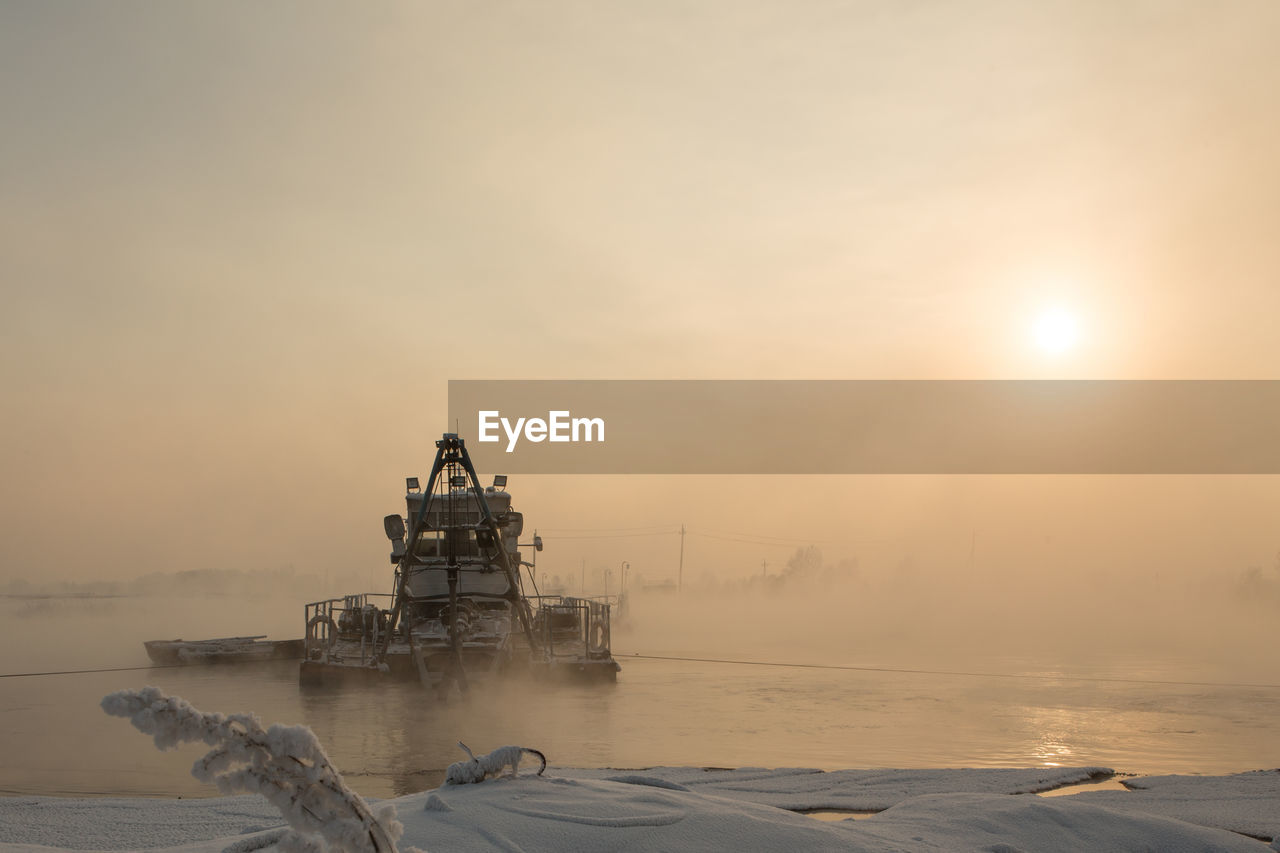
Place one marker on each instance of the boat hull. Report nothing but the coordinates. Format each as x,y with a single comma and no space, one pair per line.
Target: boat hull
401,669
232,650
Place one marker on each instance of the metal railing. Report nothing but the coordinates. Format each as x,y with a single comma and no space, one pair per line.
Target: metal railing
351,618
576,625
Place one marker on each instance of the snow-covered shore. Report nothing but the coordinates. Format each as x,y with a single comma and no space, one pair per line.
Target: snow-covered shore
684,808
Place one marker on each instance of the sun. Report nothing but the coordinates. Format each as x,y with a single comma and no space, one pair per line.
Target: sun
1055,330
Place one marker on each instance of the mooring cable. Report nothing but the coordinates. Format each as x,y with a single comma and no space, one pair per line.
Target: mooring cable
219,664
783,664
961,673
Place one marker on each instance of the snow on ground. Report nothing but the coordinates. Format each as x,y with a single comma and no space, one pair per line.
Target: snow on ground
690,808
1248,803
117,823
807,789
1000,824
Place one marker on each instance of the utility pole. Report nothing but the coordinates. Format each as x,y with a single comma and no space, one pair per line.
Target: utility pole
582,585
680,576
764,568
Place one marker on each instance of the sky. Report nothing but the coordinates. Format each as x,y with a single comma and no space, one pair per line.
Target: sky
244,246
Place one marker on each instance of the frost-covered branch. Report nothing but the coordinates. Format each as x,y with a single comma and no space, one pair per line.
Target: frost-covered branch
285,764
477,769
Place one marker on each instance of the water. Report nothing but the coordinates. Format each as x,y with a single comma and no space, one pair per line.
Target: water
396,739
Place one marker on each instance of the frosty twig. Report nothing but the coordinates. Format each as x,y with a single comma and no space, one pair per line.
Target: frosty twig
285,764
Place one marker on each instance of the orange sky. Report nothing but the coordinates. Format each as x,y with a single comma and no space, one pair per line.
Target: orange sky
244,247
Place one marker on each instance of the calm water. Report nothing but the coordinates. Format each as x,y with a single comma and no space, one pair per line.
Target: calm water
397,739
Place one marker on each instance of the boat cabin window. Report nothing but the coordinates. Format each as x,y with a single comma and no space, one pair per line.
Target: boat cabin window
432,544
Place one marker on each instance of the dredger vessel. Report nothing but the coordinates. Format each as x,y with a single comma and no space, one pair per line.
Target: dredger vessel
459,609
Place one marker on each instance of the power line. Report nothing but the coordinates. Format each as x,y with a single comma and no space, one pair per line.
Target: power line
849,667
606,533
742,537
608,529
765,536
614,535
744,541
779,540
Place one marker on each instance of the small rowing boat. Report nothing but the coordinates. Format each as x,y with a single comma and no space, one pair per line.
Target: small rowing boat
222,650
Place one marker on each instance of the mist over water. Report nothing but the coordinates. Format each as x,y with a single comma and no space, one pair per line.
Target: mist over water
953,677
921,618
235,292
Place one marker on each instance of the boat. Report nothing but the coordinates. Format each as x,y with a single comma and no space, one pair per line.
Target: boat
459,609
222,650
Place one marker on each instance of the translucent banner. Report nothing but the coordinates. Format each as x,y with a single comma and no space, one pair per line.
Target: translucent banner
869,427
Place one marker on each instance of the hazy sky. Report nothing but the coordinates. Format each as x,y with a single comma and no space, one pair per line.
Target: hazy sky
244,245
